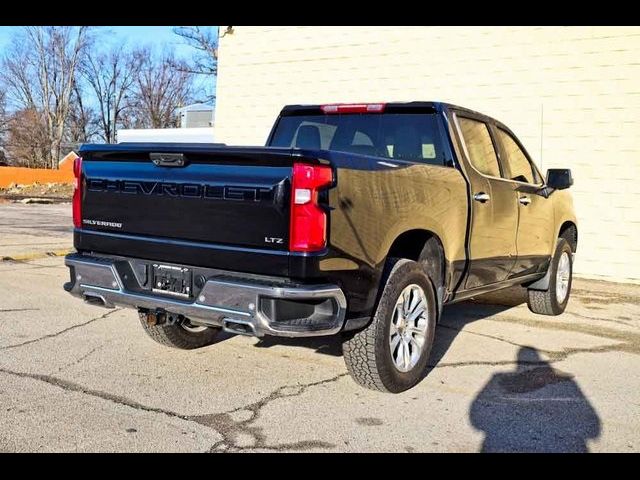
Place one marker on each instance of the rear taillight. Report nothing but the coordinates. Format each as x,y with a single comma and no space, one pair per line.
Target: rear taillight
77,192
308,231
353,108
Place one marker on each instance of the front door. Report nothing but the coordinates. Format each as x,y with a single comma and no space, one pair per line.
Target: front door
494,208
535,240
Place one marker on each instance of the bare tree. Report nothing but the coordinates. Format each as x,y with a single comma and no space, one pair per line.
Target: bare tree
27,143
39,72
111,76
204,61
159,89
3,126
3,111
205,41
82,122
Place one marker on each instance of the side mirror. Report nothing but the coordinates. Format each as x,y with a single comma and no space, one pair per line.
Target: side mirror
559,178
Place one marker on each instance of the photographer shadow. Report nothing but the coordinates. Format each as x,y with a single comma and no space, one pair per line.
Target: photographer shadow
534,408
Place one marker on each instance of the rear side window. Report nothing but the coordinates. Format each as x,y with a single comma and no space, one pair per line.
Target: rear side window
520,167
479,146
402,136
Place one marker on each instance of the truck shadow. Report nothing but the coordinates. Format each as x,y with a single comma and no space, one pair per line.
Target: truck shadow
327,345
454,317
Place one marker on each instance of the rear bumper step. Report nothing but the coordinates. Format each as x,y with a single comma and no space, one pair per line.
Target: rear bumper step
253,306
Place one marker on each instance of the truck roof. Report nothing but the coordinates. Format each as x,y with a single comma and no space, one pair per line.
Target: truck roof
434,106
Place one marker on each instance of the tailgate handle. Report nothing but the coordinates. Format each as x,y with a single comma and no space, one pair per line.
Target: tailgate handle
167,159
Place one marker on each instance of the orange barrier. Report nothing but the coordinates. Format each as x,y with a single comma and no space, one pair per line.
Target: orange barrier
27,176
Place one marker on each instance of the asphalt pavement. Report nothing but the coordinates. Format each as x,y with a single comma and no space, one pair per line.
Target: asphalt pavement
76,377
34,230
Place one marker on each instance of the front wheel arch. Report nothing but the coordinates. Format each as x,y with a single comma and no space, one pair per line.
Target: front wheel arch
569,231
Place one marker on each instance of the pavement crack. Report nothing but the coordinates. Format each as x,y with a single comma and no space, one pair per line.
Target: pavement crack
61,332
475,363
493,337
80,359
69,386
589,297
554,355
233,431
607,320
10,310
239,432
629,341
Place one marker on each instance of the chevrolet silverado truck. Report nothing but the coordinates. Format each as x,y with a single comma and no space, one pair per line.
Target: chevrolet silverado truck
362,220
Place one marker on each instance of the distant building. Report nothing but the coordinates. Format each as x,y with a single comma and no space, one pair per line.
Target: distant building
198,115
166,135
196,126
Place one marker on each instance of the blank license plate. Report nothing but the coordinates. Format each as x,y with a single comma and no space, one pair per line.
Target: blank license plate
172,280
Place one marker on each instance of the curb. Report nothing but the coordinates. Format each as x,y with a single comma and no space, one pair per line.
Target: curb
25,257
15,198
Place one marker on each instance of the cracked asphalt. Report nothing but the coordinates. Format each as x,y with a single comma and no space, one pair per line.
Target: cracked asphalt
75,377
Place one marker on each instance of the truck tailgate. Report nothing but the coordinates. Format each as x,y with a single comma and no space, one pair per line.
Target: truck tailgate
226,196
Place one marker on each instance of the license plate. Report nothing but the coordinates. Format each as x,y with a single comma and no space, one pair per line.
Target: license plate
172,280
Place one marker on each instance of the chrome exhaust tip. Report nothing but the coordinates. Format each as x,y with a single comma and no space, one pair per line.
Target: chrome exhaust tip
95,299
238,327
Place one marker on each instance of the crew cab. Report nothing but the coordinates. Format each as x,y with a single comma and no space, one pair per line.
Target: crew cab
362,220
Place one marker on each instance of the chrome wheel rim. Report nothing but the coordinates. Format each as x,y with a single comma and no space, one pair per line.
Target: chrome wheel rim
562,277
189,327
408,331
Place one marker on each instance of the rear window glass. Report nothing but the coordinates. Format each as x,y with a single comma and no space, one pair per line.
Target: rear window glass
402,136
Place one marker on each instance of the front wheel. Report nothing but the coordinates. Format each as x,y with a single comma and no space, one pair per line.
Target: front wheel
554,299
391,354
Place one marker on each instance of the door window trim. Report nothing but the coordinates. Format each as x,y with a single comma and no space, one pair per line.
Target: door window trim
491,125
464,144
532,164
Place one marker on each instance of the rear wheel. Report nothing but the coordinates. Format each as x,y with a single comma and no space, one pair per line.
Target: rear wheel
554,299
179,333
392,352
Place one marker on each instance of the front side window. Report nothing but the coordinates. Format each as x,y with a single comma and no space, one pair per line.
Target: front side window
519,166
477,139
402,136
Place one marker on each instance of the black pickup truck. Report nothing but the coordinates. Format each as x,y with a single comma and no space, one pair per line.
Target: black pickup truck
358,219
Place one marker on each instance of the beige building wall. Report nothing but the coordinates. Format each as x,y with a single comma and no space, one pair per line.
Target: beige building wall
571,94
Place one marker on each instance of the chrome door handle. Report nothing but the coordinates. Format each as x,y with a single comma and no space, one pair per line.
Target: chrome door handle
481,197
524,200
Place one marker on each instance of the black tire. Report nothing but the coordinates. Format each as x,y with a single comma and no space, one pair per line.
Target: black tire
545,302
175,335
367,353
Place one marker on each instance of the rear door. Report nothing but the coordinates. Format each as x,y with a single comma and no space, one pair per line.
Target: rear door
494,208
536,222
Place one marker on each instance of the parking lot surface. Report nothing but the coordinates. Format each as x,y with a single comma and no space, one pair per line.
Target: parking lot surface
34,230
75,377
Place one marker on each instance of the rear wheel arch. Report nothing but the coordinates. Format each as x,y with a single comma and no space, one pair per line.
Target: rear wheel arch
426,247
369,353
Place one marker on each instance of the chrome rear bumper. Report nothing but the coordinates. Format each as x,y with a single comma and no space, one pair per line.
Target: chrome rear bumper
246,306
